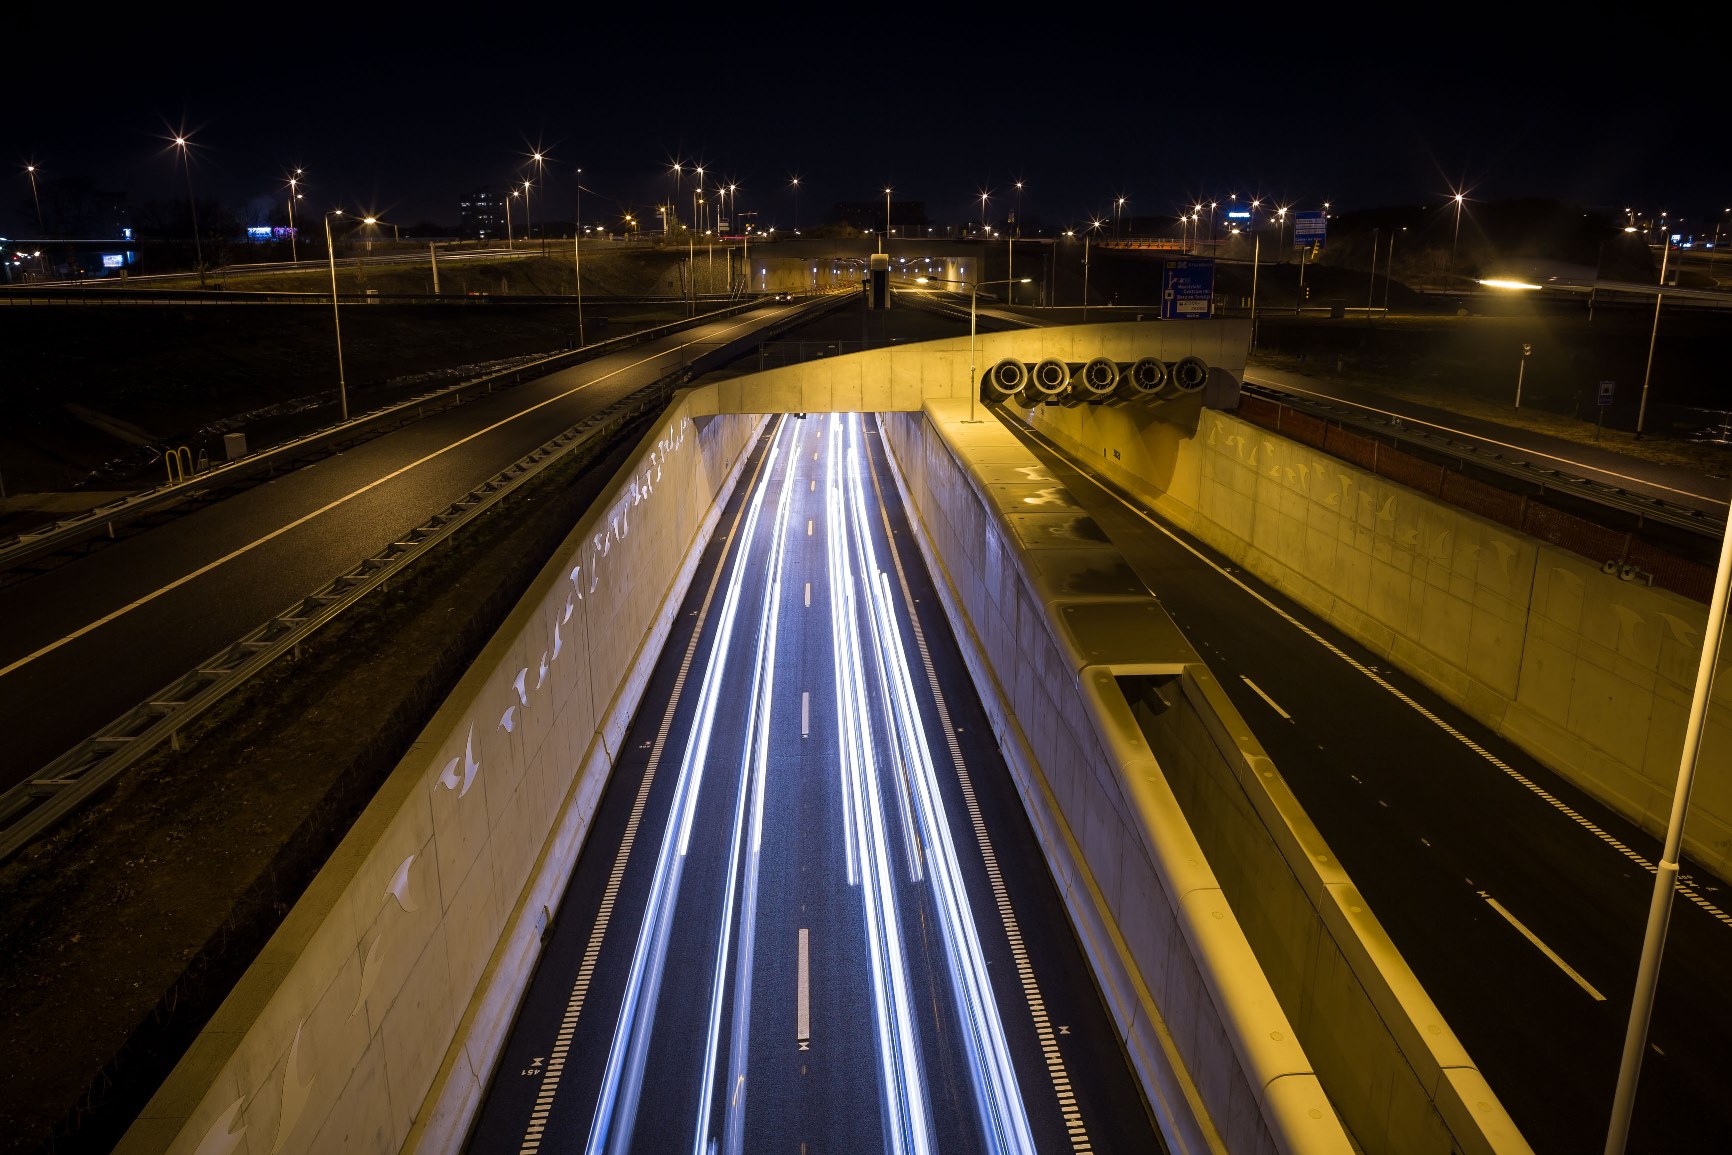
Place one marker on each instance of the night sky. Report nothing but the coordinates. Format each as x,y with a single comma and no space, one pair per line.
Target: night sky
400,111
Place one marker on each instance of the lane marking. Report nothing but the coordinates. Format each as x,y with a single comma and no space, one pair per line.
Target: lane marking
1258,690
241,551
1056,1072
808,594
592,951
1687,889
1543,948
803,996
808,527
805,715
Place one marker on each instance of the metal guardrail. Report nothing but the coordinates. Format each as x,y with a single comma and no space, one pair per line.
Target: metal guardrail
102,520
36,297
34,806
1465,451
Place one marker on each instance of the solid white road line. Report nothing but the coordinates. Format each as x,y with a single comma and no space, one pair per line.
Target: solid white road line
805,713
1686,889
1258,690
240,551
1543,948
803,994
808,593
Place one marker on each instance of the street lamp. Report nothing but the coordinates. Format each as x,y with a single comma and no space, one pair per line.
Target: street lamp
197,246
973,293
886,247
668,221
796,183
1094,227
528,222
1521,371
537,157
984,197
30,170
336,317
294,195
1653,336
509,242
1456,239
577,256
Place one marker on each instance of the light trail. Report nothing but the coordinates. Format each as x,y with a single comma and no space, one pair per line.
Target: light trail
998,1099
906,1112
622,1081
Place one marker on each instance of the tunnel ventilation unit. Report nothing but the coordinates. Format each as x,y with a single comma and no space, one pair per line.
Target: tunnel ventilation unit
1093,383
1098,381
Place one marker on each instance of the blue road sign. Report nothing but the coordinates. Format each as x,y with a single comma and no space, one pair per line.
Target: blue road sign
1188,290
1607,388
1309,228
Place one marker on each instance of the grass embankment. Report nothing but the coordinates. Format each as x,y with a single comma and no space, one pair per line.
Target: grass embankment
1469,365
182,375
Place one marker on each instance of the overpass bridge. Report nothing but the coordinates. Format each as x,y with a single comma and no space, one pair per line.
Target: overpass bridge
1260,1002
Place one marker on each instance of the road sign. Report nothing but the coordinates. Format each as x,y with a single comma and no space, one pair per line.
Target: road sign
1188,290
1309,229
1607,388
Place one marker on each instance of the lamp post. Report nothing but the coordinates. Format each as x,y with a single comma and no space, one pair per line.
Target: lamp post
973,295
1521,372
1455,240
692,253
191,204
509,242
528,221
1256,258
1371,288
983,199
1653,336
796,184
698,198
1389,267
30,170
886,248
1094,226
294,195
577,256
537,157
336,317
668,221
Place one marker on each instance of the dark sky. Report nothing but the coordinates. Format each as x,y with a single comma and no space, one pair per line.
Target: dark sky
399,111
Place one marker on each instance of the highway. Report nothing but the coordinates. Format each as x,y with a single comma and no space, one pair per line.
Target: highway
98,634
1518,900
810,914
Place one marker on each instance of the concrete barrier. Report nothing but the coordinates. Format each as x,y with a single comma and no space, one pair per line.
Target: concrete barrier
1223,933
372,1018
1216,1055
1590,674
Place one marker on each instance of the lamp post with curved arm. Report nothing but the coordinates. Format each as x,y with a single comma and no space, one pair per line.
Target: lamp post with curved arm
336,318
191,204
974,288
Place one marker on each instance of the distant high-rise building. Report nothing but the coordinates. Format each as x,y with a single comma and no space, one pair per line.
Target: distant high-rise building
483,215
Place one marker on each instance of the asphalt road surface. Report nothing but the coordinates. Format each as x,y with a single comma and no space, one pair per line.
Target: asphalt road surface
810,914
93,637
1518,900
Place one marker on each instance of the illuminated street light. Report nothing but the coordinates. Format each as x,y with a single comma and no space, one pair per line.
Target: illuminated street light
886,247
197,247
984,196
1653,336
1456,239
795,182
973,292
30,170
577,256
509,242
528,223
336,318
537,157
294,195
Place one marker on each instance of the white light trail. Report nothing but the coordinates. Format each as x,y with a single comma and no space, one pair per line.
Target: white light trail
622,1080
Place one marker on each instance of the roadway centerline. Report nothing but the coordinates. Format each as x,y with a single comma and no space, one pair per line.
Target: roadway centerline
1543,948
241,551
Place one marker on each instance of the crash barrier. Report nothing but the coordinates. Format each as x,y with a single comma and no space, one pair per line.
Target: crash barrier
1261,1003
1098,381
1537,638
372,1019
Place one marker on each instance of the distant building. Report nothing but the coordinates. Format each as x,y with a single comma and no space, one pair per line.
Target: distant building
483,215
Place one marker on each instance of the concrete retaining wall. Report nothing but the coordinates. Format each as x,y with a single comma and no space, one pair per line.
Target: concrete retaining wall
372,1018
1217,1057
1590,674
1216,917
